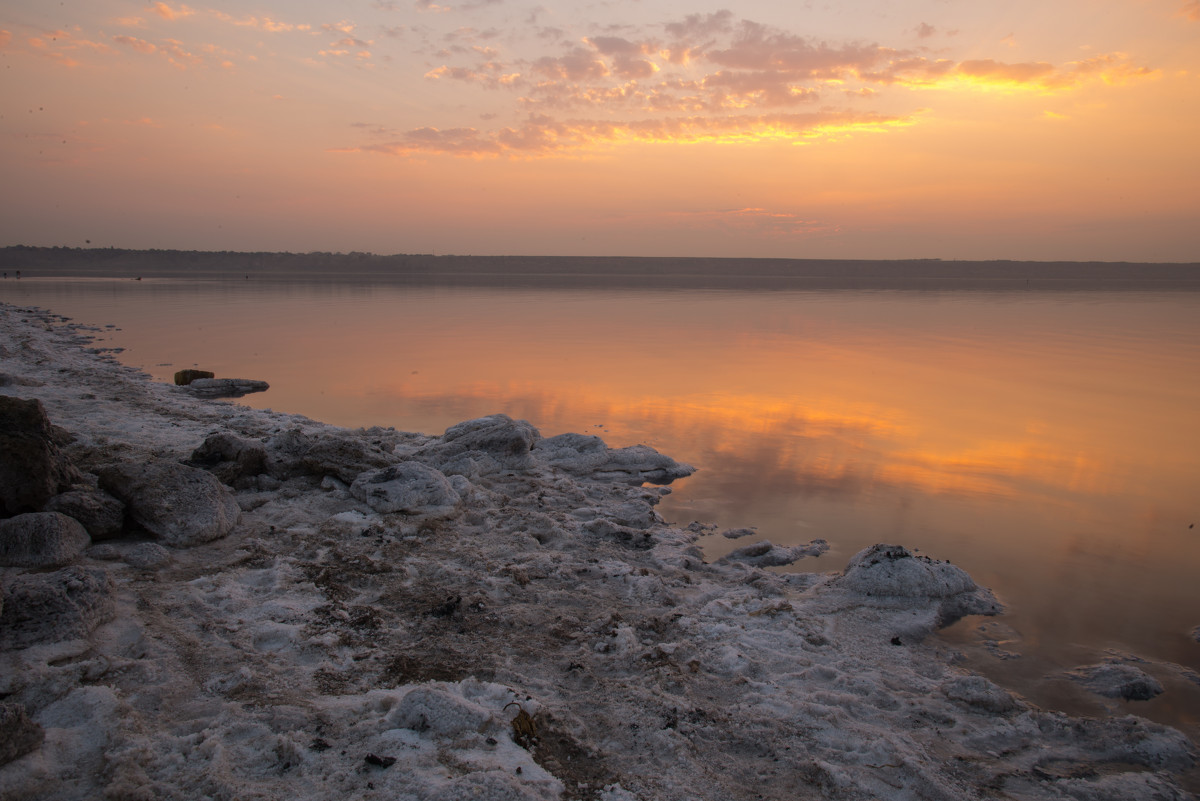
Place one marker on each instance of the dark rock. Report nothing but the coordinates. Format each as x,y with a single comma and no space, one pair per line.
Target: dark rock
1117,680
50,607
226,387
230,457
335,452
185,377
409,487
18,734
32,468
179,504
41,539
100,513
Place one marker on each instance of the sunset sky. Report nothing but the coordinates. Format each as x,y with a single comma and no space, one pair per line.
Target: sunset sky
861,129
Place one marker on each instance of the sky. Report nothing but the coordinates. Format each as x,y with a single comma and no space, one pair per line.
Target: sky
872,129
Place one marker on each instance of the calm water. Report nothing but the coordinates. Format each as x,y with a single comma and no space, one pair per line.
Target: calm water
1048,442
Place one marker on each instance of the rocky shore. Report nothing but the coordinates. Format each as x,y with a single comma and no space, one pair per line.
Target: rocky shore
202,600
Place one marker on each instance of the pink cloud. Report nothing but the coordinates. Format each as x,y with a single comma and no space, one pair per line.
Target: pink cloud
166,12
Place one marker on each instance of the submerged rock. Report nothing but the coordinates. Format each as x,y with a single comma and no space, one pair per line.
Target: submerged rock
586,455
100,513
178,504
409,487
1117,680
49,607
32,468
226,387
41,539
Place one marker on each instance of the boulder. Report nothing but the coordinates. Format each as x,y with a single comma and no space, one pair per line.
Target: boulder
178,504
487,442
890,576
230,457
1117,680
336,452
226,387
41,539
588,456
32,468
409,487
185,377
50,607
18,734
100,513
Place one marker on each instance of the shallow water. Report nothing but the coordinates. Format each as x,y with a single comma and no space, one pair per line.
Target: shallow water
1048,442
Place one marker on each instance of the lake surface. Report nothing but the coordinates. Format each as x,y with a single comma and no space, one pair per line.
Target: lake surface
1046,441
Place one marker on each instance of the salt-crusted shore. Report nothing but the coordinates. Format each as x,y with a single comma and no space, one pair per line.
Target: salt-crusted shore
308,612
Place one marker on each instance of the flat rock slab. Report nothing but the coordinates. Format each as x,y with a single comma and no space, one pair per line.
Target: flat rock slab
226,387
50,607
588,456
178,504
41,539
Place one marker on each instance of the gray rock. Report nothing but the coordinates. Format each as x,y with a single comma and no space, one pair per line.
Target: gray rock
890,575
178,504
50,607
226,387
230,457
409,487
981,694
41,539
482,444
585,455
337,453
18,734
1117,680
32,468
766,554
147,556
100,513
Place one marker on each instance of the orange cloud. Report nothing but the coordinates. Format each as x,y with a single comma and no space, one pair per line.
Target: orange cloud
166,12
543,136
1191,10
262,24
5,38
919,72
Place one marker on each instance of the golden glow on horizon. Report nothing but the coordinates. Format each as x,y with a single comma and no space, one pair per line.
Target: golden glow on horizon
383,91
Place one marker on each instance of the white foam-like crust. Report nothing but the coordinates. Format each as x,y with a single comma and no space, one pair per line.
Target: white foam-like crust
319,633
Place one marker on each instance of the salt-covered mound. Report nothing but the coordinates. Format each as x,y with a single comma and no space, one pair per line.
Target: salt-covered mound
926,593
551,637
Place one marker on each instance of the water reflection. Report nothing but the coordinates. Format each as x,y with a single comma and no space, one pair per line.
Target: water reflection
1048,443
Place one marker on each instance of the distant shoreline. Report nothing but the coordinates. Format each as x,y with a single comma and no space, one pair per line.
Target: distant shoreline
53,262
